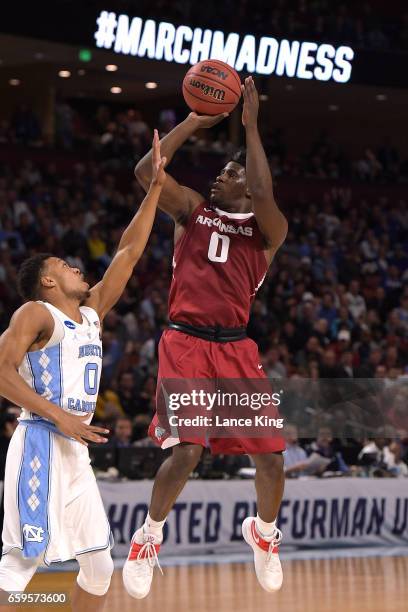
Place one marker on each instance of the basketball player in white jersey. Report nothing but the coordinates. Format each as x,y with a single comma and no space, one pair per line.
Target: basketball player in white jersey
50,365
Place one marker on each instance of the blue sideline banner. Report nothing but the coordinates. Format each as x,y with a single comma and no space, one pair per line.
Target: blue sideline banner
317,513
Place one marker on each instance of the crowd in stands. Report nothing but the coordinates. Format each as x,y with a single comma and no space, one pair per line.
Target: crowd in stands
333,305
115,140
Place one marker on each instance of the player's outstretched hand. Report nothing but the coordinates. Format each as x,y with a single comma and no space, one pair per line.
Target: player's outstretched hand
251,103
158,162
74,427
206,121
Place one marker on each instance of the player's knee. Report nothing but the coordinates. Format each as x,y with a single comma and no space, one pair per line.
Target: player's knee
96,569
186,456
16,571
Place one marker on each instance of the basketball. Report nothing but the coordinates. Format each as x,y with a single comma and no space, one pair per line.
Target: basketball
211,87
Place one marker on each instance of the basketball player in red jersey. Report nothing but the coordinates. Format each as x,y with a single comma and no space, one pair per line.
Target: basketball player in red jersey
222,252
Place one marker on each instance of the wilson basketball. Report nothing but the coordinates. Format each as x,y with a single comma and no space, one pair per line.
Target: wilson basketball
211,87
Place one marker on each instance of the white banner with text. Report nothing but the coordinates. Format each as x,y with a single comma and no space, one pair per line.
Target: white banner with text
207,516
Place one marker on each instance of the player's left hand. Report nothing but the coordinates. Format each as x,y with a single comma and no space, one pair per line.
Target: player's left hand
251,103
158,162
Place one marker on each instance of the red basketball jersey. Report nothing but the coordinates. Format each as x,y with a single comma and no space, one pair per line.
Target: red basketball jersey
218,266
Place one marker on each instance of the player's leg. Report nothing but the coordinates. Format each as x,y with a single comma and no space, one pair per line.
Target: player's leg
16,571
17,568
269,484
181,358
240,360
93,580
169,482
261,532
86,523
171,478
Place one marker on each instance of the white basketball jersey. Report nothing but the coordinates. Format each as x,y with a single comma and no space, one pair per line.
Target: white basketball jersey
67,370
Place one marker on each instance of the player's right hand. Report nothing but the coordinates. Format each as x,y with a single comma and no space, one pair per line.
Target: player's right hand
74,427
206,121
158,162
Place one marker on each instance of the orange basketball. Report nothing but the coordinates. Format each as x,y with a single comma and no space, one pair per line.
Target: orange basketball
211,87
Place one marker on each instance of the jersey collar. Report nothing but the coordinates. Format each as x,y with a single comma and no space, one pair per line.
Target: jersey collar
238,216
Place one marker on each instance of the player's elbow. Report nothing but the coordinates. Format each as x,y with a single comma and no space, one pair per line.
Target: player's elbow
261,189
276,233
282,232
131,255
7,368
142,173
283,226
138,170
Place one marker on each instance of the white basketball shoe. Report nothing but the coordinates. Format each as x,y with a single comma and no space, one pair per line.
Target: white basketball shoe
266,558
139,566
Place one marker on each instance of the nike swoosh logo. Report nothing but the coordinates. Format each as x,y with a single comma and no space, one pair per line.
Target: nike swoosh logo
253,531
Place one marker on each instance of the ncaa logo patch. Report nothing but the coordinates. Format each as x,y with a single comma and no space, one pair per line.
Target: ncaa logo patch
159,432
69,324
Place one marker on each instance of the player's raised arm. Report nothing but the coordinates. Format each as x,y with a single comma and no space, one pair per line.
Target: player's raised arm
176,200
270,219
105,294
29,325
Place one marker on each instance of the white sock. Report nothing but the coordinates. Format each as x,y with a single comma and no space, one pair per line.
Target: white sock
153,527
266,530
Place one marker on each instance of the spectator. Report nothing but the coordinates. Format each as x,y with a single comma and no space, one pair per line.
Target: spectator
111,355
97,248
376,456
294,454
326,447
123,432
369,368
327,310
273,366
146,398
329,367
356,302
127,394
402,314
396,465
322,456
141,425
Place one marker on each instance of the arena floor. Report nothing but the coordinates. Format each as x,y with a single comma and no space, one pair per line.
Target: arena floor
372,584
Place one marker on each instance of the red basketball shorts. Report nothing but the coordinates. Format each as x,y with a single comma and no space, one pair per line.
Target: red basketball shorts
182,356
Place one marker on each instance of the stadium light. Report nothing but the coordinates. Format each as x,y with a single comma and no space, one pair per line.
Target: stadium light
85,55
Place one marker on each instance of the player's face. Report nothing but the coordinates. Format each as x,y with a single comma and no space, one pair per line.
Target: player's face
230,188
69,280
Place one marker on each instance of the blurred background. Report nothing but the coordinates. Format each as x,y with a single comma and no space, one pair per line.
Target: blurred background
74,121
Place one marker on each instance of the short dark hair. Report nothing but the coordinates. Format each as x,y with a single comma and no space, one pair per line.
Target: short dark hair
123,417
29,274
240,157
